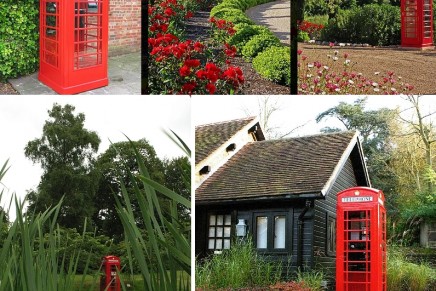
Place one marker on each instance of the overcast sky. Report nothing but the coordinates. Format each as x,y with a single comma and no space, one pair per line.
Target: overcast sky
22,119
294,112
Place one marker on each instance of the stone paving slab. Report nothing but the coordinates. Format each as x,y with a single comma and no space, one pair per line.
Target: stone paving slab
124,73
274,15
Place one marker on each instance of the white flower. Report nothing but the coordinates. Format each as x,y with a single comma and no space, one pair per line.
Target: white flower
335,58
374,84
309,75
376,89
337,89
336,53
376,73
347,62
329,56
326,68
312,41
351,81
310,65
393,89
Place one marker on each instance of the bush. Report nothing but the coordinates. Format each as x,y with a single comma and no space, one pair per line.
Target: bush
244,32
303,36
259,43
274,64
235,16
18,38
240,266
373,24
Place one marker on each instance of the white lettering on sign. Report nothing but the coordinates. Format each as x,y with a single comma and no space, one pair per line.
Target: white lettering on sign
357,199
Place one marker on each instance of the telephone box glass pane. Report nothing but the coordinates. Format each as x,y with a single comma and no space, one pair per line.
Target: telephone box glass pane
262,230
279,232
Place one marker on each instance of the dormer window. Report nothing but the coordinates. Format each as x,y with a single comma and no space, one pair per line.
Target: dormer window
231,147
205,170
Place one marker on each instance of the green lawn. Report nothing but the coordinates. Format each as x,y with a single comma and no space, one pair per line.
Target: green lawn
135,283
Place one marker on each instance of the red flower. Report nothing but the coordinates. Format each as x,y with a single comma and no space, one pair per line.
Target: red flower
212,72
230,50
189,14
184,71
211,88
169,12
198,47
189,87
191,63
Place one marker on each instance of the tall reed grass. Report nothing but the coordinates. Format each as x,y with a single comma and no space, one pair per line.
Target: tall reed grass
31,260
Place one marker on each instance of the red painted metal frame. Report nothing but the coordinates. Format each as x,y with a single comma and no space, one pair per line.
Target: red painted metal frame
111,266
73,45
361,240
417,23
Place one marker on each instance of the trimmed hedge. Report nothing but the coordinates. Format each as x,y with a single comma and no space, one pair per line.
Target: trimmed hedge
19,37
259,43
373,24
244,32
274,64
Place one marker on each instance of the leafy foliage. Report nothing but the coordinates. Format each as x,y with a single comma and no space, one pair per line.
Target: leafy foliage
65,152
373,24
274,64
244,32
259,43
18,37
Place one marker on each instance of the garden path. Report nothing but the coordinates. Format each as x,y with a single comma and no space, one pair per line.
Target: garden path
276,16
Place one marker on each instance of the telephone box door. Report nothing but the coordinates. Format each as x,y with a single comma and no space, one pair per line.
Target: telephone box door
416,23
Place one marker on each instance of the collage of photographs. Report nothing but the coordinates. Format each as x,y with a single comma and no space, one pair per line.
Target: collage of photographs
201,145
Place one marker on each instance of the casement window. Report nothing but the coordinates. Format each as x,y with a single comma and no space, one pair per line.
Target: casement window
219,231
331,235
270,231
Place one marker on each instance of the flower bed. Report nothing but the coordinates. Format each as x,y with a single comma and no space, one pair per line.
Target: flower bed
179,66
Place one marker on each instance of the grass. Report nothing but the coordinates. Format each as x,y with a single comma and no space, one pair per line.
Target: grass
237,267
404,275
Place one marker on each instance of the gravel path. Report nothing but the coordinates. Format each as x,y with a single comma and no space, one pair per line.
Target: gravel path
274,15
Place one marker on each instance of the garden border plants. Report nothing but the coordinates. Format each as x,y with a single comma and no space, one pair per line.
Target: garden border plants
255,43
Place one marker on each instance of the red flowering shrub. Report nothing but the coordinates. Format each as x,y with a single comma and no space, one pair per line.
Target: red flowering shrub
313,29
336,77
188,67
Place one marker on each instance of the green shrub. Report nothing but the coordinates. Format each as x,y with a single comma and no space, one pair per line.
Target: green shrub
244,32
236,16
318,19
259,43
303,36
18,37
373,24
311,279
240,266
274,64
219,9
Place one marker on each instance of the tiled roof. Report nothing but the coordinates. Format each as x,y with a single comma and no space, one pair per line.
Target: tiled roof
209,137
277,167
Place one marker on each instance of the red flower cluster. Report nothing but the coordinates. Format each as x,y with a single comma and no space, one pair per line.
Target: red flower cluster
310,27
223,25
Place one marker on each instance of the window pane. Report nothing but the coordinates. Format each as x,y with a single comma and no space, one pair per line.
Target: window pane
227,244
211,245
211,231
279,232
219,244
262,228
220,220
219,232
212,220
228,220
226,231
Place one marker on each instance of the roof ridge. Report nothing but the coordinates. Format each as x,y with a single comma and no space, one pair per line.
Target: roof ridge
308,136
227,121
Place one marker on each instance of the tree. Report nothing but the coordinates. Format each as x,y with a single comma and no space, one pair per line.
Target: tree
116,164
374,127
65,152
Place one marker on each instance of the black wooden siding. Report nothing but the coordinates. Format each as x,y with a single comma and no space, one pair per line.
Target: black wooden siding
323,208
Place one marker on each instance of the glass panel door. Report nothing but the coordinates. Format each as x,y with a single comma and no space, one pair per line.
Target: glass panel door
411,18
50,43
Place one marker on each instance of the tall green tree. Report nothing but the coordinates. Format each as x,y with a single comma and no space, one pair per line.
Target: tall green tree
65,152
374,127
117,164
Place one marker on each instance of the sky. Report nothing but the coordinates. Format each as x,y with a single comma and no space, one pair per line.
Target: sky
22,119
296,113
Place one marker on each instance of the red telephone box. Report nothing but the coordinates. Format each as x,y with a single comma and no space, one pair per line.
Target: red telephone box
73,45
110,280
361,240
417,23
